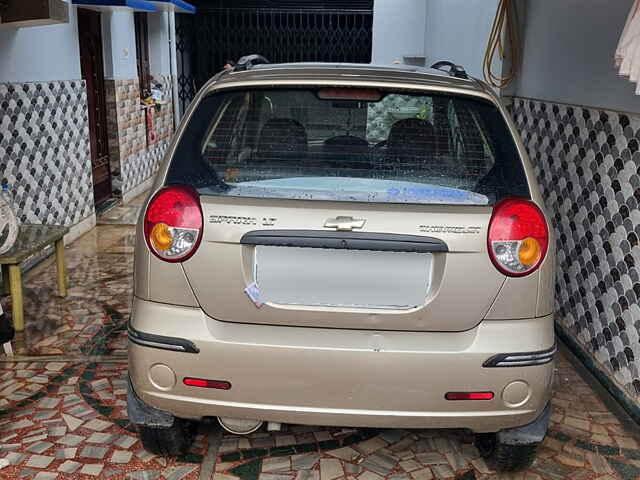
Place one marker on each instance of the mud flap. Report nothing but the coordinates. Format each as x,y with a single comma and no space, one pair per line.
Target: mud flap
530,434
142,414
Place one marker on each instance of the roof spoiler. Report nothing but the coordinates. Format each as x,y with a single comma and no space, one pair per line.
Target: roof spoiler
248,61
454,70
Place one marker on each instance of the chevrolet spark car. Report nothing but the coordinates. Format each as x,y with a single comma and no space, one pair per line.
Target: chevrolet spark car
344,245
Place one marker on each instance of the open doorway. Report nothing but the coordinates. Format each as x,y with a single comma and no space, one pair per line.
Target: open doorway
92,66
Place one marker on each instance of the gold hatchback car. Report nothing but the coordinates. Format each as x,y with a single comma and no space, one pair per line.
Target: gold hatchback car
344,245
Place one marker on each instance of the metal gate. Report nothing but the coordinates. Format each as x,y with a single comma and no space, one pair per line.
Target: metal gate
206,41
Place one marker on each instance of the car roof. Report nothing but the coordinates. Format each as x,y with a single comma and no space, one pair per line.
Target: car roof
349,72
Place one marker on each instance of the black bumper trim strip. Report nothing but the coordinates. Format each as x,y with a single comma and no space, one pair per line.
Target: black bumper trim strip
161,342
521,359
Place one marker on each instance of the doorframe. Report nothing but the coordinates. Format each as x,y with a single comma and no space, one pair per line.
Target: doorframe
96,98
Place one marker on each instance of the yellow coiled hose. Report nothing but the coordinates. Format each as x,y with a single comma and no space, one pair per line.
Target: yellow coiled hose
506,20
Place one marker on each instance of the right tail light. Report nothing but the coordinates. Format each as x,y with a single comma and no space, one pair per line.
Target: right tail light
518,237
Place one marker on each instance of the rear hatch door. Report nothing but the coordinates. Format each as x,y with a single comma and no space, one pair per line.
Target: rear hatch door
346,207
407,268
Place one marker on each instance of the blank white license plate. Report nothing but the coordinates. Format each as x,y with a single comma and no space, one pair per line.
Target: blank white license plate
342,278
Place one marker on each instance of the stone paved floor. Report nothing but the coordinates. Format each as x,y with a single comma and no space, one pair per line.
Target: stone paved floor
120,214
63,416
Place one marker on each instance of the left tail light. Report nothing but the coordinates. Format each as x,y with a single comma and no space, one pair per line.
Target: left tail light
173,223
518,237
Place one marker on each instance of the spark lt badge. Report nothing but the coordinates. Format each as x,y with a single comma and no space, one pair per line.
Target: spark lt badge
232,220
450,229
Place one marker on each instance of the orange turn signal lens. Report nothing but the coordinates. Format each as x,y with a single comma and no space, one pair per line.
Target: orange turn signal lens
161,237
529,251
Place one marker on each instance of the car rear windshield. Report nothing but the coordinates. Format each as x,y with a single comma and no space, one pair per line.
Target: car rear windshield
349,144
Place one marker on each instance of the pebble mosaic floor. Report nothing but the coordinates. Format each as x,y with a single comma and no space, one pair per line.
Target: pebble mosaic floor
64,417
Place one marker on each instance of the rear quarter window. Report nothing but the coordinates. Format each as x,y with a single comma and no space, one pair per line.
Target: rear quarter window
390,147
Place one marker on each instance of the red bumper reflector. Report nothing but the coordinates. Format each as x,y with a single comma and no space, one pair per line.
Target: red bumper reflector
469,396
200,382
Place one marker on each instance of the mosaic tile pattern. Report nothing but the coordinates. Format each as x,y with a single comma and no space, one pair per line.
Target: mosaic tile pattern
138,168
44,150
125,124
62,416
76,426
587,163
134,158
66,420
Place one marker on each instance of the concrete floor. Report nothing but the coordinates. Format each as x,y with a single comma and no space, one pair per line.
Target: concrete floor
63,411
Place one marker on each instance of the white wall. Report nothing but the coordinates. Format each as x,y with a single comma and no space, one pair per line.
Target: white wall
458,30
569,47
119,44
38,54
398,29
159,52
454,30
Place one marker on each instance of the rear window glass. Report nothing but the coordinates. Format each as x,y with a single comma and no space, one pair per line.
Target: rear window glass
349,145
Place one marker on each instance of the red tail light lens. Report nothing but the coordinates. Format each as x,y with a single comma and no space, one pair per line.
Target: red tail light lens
204,383
518,237
173,223
469,396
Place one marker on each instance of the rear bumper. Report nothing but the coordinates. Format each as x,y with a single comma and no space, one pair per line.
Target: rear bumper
340,377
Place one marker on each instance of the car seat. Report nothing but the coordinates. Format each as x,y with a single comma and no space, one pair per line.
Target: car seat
411,144
347,151
282,139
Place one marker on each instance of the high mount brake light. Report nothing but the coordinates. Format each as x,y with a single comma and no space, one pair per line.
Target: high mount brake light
364,94
518,237
173,223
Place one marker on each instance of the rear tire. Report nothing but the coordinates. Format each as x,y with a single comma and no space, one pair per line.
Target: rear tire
505,458
169,442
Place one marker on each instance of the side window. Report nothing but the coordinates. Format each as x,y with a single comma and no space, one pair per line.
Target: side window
259,109
221,139
456,141
469,147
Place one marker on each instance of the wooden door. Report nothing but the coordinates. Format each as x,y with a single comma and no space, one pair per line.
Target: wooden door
91,62
142,50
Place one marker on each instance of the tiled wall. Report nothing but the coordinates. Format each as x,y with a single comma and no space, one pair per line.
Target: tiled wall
140,167
587,162
134,157
44,150
125,126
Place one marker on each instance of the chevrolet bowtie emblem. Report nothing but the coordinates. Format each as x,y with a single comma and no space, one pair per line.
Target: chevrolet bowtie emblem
344,223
